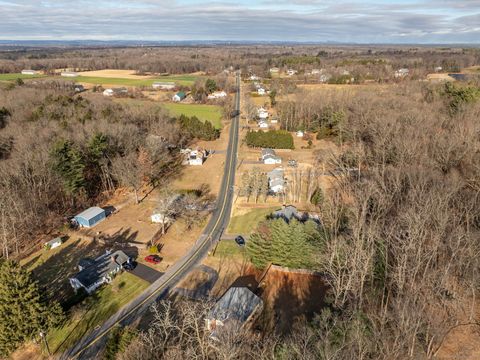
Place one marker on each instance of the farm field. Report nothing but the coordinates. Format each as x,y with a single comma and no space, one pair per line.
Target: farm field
212,113
14,76
98,308
185,80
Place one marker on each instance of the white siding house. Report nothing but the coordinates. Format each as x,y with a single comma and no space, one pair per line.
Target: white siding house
69,74
29,72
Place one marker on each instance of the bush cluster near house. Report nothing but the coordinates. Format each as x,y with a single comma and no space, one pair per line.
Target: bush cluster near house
292,244
198,129
274,139
24,310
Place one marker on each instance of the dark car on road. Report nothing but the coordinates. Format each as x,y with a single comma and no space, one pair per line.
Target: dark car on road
153,259
240,240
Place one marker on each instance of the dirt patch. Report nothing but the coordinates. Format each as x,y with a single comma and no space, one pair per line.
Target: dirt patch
28,352
439,77
461,343
288,296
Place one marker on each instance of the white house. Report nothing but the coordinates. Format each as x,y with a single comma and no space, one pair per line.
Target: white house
115,91
438,68
263,124
269,157
261,91
276,180
315,72
29,72
291,72
262,113
163,85
52,244
69,74
274,120
401,72
274,70
217,95
300,133
253,77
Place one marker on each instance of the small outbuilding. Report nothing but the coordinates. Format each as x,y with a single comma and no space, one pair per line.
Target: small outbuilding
29,72
179,96
52,244
90,217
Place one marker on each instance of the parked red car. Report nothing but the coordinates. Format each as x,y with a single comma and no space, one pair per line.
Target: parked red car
153,259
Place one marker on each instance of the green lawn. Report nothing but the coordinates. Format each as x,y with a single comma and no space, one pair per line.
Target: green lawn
15,76
228,248
245,224
98,308
185,80
212,113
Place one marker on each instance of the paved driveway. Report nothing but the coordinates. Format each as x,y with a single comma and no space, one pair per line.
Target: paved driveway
146,273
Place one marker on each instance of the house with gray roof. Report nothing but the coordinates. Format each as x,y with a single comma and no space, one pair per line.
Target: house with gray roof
276,180
237,307
94,273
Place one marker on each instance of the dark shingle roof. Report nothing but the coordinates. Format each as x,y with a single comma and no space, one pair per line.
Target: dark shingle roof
238,303
100,267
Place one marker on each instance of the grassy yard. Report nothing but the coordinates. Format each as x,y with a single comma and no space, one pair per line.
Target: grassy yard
15,76
228,248
244,224
95,310
186,80
212,113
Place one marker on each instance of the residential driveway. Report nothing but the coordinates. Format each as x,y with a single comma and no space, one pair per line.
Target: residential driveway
146,273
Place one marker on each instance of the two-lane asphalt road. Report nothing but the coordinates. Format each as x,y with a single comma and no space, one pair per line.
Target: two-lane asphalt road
90,345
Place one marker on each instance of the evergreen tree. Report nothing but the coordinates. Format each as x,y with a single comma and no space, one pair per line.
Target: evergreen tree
70,165
4,114
210,86
24,312
293,244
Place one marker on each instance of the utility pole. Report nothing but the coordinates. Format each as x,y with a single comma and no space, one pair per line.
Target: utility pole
44,337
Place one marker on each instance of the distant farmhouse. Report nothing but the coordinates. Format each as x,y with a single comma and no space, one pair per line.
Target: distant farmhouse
90,217
269,157
94,273
29,72
179,96
401,73
115,91
274,70
217,95
69,74
262,113
163,85
263,124
276,180
234,310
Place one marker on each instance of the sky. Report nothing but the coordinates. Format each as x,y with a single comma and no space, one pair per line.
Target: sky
354,21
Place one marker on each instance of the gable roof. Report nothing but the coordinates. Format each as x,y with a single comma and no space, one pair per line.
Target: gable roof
90,213
96,269
287,212
238,303
181,94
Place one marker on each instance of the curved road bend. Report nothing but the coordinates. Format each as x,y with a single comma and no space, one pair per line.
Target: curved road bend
91,344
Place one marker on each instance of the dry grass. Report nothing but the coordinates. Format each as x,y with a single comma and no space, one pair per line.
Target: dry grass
115,73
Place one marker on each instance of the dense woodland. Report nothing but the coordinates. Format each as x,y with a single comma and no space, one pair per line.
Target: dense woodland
61,152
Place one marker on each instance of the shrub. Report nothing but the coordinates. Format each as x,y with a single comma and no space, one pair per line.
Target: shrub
153,249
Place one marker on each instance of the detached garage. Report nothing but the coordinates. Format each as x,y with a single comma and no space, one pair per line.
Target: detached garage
90,217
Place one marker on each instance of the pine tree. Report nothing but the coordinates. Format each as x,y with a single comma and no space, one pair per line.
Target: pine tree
70,165
24,312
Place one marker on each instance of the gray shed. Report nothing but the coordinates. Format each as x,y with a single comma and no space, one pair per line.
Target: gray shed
91,216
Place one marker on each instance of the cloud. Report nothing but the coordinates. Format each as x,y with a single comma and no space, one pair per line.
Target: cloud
298,20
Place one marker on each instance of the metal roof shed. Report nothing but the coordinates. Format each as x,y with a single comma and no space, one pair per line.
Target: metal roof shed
91,216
